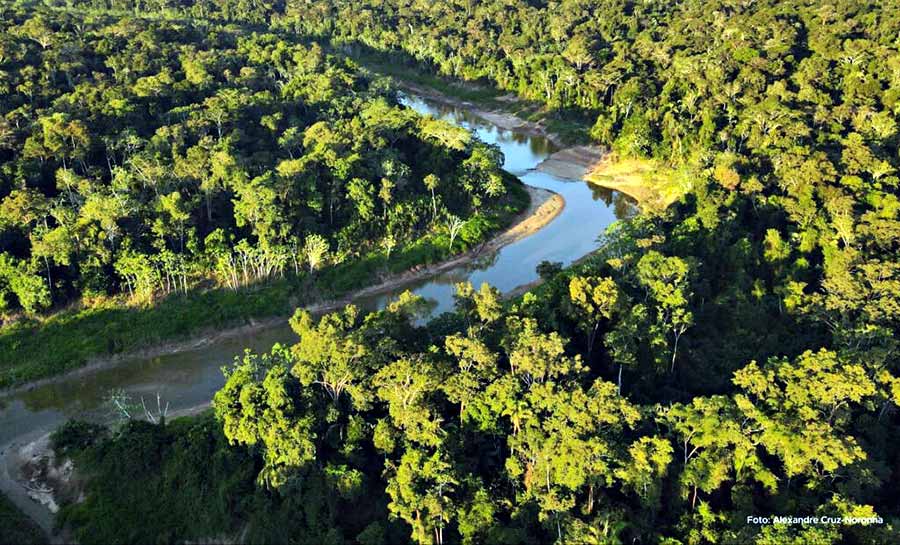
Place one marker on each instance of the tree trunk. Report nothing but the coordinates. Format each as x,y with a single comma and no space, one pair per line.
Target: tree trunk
592,336
433,208
49,280
674,352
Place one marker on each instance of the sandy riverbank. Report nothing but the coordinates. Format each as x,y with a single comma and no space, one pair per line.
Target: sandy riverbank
543,207
641,180
652,185
504,120
573,163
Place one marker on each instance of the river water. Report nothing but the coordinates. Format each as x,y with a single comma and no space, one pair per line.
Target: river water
190,378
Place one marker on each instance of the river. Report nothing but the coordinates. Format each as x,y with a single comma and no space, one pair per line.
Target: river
190,378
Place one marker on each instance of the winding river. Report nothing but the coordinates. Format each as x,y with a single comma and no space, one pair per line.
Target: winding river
190,378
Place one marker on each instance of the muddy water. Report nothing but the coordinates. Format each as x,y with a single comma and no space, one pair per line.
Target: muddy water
189,378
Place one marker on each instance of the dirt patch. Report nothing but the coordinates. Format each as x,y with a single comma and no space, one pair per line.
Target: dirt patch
43,479
572,163
37,483
509,98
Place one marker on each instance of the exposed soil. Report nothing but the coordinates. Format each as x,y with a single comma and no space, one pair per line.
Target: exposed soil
641,179
573,163
36,482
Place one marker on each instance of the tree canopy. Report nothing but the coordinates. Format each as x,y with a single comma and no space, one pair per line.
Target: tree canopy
145,157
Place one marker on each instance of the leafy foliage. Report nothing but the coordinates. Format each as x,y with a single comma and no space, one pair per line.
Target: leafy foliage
161,156
162,163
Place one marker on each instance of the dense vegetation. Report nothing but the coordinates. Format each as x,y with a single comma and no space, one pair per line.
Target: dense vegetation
146,159
16,527
189,483
735,355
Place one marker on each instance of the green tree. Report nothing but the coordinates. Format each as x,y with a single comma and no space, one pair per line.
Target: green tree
567,444
421,488
260,405
29,288
594,300
478,366
454,225
431,183
315,251
667,281
405,385
329,355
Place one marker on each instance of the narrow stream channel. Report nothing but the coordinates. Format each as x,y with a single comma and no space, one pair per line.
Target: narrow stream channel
190,378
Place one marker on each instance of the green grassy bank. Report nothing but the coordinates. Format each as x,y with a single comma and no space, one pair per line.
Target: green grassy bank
32,349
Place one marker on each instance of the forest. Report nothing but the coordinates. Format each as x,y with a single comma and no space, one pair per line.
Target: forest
730,357
142,160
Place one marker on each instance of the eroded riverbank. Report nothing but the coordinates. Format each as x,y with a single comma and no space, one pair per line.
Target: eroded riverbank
573,163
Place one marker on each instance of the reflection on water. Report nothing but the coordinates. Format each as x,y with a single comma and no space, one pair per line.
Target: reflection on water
191,378
622,205
521,151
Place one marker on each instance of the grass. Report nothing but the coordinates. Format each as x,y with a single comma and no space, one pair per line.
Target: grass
16,527
653,185
32,349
